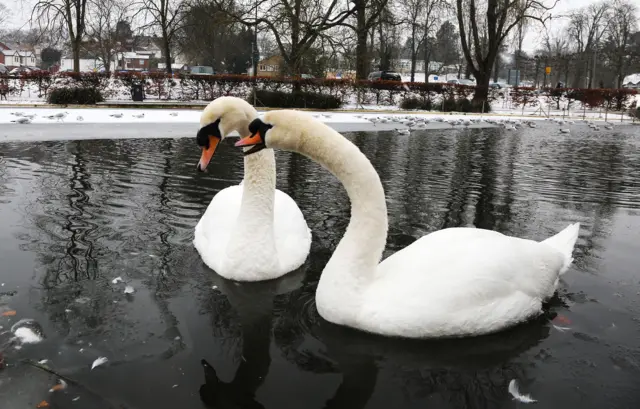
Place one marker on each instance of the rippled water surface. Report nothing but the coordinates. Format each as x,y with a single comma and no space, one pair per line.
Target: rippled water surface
74,215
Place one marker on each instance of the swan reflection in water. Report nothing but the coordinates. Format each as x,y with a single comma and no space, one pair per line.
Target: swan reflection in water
466,373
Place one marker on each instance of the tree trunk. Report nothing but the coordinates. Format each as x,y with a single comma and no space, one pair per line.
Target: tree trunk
496,68
481,94
107,62
362,56
167,52
426,58
76,55
413,54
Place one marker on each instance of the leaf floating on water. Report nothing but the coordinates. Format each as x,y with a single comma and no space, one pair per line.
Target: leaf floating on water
43,404
9,313
77,398
43,362
59,387
562,319
128,290
515,392
116,280
561,329
99,362
215,287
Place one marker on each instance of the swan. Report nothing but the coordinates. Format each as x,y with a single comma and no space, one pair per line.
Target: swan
451,283
253,212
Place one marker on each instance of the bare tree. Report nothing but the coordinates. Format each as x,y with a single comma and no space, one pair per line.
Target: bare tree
586,29
367,14
556,49
69,15
294,24
422,18
488,29
165,16
102,28
4,14
622,25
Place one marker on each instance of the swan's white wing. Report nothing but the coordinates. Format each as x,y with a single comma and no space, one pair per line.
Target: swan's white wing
461,282
293,237
214,229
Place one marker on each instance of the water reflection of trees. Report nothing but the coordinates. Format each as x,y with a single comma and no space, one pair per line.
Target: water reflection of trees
101,209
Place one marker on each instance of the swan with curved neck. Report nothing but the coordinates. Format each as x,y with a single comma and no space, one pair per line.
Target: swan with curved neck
450,283
254,212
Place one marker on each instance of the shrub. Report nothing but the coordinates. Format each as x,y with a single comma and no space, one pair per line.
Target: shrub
416,103
295,99
449,105
464,105
75,95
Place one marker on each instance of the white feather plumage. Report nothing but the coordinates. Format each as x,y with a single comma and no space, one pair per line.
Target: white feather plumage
515,392
252,215
450,283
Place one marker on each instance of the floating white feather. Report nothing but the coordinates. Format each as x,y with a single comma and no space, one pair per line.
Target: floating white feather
515,392
100,361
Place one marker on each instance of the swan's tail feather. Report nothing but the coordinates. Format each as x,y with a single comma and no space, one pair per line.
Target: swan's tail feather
564,242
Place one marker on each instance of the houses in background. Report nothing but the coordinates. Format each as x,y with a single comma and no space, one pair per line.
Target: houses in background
13,57
632,81
269,67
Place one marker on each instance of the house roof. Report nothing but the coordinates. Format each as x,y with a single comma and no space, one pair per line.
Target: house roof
632,79
135,55
21,53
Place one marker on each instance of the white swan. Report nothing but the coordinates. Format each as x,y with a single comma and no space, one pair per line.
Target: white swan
453,282
248,214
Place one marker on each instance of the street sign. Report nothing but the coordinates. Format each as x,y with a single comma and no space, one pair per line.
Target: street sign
547,70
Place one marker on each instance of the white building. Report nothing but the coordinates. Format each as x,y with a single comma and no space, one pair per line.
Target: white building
19,58
85,64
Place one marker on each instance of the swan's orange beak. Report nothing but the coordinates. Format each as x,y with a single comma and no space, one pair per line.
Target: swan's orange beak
207,153
251,140
256,141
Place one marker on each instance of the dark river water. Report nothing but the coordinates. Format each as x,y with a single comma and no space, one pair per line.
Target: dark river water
76,214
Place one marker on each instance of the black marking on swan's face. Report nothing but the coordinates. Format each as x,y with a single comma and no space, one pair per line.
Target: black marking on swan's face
213,129
258,130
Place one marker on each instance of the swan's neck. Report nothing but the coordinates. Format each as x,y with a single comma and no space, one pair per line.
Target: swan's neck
253,237
353,265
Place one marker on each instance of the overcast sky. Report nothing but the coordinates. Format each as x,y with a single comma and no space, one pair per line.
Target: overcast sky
21,10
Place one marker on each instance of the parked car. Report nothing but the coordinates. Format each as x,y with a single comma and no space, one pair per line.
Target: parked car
202,70
384,76
462,81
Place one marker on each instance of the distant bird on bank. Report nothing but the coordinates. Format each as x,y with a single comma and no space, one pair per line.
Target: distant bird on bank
79,118
138,116
22,120
60,116
116,115
174,114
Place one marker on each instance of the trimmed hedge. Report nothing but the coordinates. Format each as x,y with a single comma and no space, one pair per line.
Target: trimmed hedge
188,87
416,103
295,99
86,95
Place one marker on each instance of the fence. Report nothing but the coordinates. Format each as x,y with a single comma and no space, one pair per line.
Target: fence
186,87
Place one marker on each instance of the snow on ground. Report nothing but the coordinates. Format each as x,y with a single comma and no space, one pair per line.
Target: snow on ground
56,116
